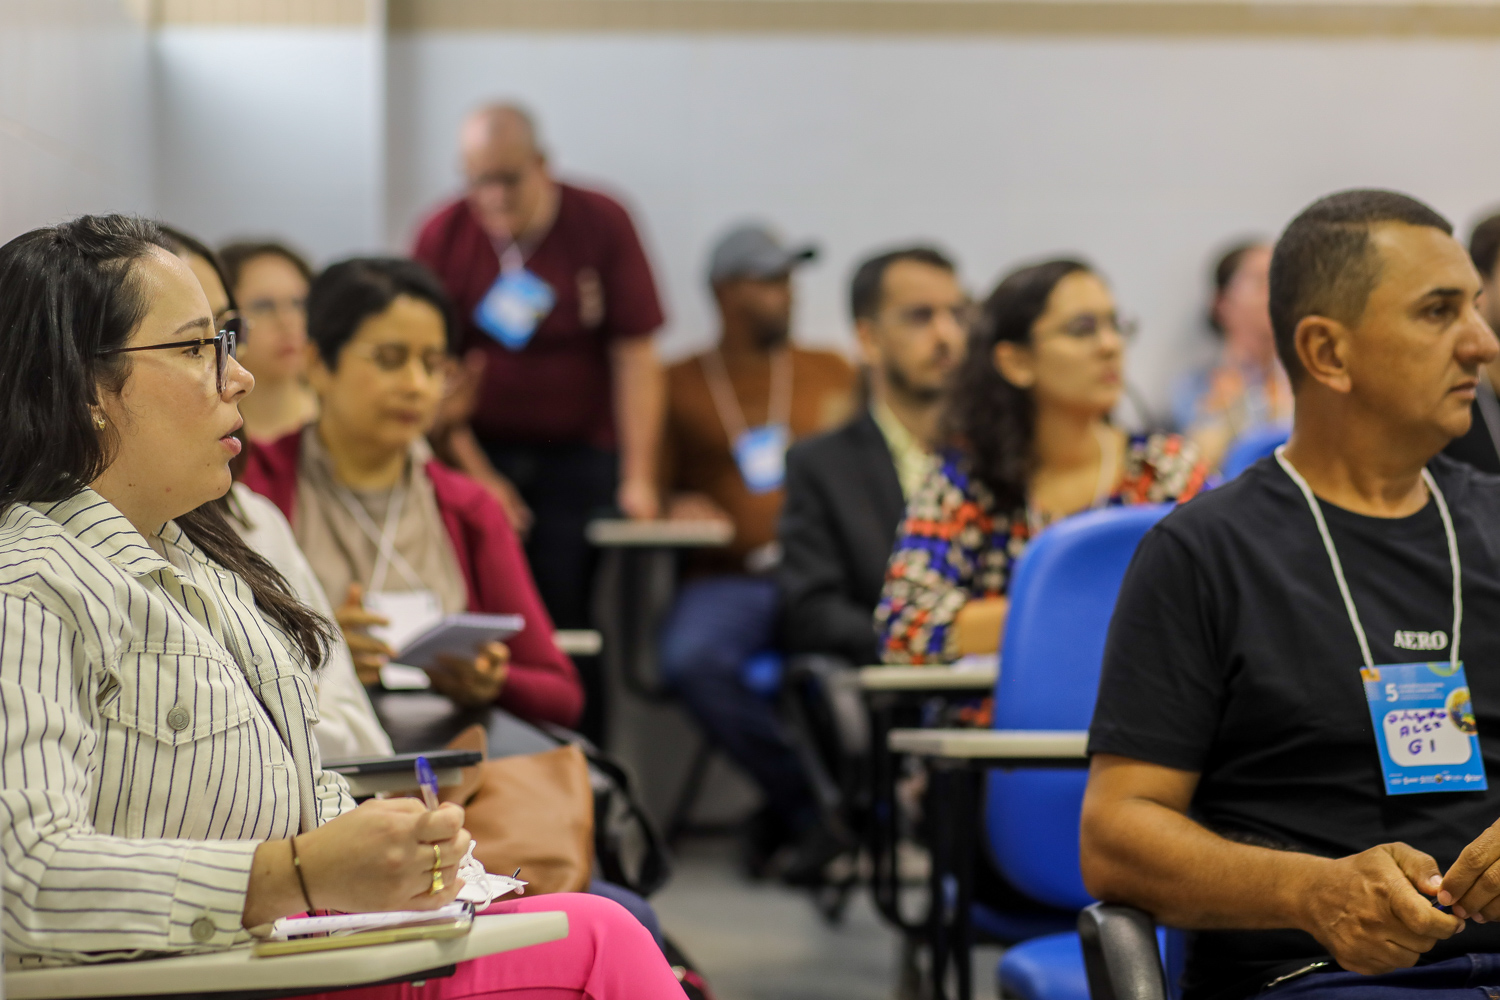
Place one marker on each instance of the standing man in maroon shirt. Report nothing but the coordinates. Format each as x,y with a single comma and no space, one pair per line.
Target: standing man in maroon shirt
558,310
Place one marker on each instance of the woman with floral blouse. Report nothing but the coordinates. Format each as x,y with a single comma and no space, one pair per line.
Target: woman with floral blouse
1028,419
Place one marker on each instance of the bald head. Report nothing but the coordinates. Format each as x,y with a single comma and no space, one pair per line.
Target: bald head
505,125
510,190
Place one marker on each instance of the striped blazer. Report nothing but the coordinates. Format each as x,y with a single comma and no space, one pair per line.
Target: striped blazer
156,729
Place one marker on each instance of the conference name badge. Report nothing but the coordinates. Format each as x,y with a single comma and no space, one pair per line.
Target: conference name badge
1424,727
760,453
514,307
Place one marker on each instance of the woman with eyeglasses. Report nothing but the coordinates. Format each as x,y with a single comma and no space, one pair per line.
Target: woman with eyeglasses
395,537
162,794
1030,443
269,281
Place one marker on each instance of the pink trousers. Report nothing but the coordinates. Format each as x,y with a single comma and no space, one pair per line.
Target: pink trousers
607,955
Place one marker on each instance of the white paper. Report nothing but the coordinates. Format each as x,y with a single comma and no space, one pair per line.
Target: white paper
480,889
411,612
400,677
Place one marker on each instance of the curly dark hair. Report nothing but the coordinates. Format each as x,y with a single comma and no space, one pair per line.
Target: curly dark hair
986,416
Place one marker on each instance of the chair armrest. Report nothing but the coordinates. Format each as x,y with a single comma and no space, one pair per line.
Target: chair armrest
578,641
238,971
622,533
923,679
1010,746
1120,953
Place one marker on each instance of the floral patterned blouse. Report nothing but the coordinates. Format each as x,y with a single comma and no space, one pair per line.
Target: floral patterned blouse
953,545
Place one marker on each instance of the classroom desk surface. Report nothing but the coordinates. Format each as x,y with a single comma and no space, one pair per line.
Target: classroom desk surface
238,970
992,744
620,533
927,678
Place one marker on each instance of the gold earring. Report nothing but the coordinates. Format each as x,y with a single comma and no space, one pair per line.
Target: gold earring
99,422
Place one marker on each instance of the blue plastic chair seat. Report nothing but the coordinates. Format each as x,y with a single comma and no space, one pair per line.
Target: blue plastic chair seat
1051,968
1045,968
1008,928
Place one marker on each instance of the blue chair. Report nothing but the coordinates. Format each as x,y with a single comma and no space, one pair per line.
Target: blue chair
1251,447
1062,597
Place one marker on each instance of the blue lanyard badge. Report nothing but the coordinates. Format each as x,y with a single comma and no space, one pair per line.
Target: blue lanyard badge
760,453
514,307
1424,725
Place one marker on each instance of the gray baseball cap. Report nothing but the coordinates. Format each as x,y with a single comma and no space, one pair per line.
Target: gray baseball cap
753,250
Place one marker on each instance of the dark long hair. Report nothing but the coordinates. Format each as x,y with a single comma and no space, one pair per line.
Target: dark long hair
993,421
68,293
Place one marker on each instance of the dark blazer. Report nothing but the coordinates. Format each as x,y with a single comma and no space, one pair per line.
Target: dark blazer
1477,447
843,506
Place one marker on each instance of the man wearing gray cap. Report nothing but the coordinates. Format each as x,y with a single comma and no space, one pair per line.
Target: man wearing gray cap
731,414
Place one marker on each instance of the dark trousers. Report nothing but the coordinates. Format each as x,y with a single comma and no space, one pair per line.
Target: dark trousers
716,625
565,486
1474,977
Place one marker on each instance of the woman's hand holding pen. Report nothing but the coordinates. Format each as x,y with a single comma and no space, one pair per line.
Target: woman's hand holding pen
377,857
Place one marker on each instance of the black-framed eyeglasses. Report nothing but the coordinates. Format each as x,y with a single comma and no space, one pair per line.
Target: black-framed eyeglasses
224,343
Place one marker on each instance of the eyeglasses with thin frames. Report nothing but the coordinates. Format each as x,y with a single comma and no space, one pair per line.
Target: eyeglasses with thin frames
393,357
919,316
1088,326
225,344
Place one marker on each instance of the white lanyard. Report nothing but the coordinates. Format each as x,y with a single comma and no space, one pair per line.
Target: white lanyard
1338,568
513,254
384,539
778,408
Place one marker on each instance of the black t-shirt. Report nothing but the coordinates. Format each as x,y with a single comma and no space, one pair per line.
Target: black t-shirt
1231,655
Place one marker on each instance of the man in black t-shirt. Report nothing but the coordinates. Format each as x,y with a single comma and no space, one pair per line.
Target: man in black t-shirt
1237,788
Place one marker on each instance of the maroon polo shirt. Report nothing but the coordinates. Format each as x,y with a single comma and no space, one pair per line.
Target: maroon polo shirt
558,388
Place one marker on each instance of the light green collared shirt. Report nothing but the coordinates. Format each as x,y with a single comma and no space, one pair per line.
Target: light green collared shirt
914,462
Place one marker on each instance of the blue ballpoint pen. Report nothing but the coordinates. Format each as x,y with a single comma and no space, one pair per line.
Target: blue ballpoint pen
427,780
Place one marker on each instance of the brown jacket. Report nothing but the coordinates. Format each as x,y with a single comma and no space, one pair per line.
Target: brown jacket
697,456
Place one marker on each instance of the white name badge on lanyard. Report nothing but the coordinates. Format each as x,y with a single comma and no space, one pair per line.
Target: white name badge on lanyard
760,452
514,307
1425,730
1424,724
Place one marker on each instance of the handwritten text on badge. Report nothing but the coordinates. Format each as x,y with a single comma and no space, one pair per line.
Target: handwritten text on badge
1425,736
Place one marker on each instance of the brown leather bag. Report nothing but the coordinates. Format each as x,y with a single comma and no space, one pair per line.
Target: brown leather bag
531,811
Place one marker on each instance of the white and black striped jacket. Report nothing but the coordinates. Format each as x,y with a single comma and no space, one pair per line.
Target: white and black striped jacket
156,728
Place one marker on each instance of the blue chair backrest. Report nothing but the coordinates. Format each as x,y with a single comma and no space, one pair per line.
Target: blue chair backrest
1251,447
1062,596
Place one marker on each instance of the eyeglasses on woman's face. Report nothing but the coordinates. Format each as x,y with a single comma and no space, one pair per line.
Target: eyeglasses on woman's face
392,357
1091,326
225,343
266,309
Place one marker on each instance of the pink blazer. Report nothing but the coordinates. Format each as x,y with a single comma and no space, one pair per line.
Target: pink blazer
542,685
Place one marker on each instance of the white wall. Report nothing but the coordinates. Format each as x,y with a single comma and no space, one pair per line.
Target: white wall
75,123
273,131
1145,155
